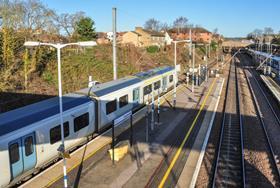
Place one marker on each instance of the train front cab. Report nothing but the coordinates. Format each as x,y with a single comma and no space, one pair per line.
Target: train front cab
22,155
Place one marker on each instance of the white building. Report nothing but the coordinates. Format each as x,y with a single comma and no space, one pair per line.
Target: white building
168,39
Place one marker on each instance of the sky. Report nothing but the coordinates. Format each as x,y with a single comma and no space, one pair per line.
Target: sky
233,18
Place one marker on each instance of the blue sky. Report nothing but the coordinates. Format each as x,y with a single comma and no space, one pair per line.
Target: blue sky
233,18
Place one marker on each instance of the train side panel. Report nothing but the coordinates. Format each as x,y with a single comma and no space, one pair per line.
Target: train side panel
46,150
116,104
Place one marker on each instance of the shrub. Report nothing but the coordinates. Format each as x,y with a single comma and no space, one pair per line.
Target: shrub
48,77
152,49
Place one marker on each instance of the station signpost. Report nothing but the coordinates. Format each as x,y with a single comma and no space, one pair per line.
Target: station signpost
153,112
147,122
158,107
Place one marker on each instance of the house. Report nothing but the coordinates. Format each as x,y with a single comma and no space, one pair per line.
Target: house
132,37
106,38
168,39
198,34
102,38
143,37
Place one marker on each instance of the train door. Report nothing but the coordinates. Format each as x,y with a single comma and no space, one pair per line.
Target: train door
28,151
136,96
164,83
22,154
16,160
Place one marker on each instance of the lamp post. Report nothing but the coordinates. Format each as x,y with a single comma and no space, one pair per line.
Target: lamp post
59,46
193,59
175,73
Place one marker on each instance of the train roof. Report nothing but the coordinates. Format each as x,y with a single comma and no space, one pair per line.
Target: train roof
153,72
21,117
277,58
109,87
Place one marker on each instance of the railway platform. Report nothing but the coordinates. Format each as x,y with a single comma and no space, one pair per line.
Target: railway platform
272,86
91,165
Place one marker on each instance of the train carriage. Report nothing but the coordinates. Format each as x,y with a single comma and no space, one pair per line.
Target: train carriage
30,136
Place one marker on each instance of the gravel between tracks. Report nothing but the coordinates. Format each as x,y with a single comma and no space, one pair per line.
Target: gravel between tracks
256,151
258,165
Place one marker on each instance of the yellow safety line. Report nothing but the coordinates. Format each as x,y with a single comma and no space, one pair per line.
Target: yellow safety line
91,154
185,139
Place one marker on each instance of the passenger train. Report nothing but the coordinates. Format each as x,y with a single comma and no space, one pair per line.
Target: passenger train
30,136
272,61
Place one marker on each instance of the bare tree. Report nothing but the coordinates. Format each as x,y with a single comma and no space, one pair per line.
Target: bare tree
257,33
268,31
152,24
164,26
190,25
67,22
215,31
180,23
27,15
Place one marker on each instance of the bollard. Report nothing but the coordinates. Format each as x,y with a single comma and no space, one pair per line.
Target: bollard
158,107
131,130
153,112
147,122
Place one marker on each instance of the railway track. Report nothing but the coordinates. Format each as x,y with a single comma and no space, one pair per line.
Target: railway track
270,127
229,163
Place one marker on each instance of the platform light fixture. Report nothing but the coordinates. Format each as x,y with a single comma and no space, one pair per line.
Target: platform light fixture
175,65
59,46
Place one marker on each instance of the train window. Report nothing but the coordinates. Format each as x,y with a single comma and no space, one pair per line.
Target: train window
123,101
55,132
136,94
171,78
111,106
28,145
147,89
156,85
14,153
81,121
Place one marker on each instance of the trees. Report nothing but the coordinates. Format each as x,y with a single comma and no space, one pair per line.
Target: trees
215,31
268,31
67,22
26,16
152,24
164,26
257,33
85,29
180,23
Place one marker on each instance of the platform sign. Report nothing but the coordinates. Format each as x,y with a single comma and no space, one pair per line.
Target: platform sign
122,118
193,70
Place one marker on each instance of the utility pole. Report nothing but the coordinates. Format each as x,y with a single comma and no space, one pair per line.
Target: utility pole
114,12
206,49
190,49
193,58
175,75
